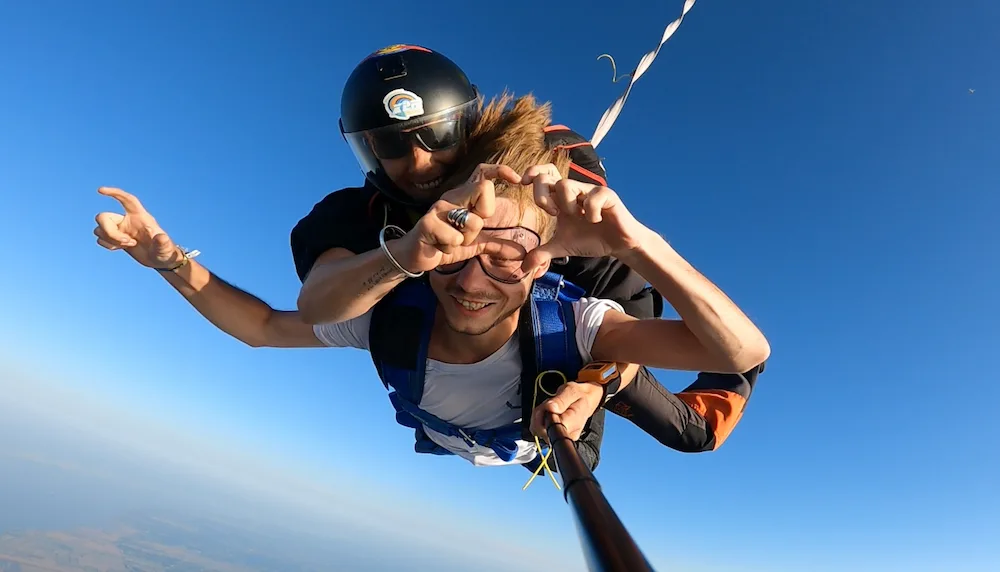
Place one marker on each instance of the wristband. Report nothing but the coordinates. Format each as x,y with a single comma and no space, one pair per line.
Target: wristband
611,389
186,255
602,373
385,250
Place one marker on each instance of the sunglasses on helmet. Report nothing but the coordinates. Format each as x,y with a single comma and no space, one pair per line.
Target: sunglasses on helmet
396,143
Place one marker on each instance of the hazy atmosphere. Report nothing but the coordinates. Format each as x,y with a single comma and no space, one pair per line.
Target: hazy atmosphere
99,474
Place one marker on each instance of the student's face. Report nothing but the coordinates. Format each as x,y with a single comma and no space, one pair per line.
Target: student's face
483,292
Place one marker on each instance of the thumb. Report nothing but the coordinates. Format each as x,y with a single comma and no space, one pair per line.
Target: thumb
562,400
163,248
555,405
541,256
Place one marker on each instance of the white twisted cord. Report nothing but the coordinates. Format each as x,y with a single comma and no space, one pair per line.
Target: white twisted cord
612,113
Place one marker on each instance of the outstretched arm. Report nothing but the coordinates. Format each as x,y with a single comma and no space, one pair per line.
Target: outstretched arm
713,334
238,313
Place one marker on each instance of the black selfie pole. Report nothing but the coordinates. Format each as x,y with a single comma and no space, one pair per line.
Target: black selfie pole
607,545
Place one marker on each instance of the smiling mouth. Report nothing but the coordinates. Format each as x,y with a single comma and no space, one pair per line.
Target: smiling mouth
470,305
429,185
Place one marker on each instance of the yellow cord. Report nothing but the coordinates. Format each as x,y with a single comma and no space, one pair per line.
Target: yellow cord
538,444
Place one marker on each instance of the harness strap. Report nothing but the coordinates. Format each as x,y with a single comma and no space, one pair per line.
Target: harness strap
404,371
554,325
501,439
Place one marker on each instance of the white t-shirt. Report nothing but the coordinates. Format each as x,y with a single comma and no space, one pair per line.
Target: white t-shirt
483,395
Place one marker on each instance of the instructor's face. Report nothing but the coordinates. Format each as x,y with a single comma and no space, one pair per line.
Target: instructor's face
421,173
472,302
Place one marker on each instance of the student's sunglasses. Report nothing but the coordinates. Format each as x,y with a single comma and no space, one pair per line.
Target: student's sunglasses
505,266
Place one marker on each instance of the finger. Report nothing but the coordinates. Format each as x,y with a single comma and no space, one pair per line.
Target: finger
469,195
493,171
577,407
541,256
542,189
575,417
470,232
535,171
564,195
595,202
108,224
478,196
484,199
541,177
442,205
474,224
127,200
484,172
574,408
563,399
101,235
540,420
440,234
107,244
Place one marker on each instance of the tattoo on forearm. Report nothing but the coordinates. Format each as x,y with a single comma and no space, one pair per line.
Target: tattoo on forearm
377,278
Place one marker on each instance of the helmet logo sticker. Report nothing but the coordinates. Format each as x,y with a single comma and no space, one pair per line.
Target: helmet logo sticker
395,49
402,104
391,49
398,48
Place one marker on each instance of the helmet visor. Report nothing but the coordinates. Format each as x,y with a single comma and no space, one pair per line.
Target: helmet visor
437,132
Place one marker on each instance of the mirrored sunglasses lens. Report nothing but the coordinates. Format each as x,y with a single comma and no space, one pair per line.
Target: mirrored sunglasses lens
390,145
440,135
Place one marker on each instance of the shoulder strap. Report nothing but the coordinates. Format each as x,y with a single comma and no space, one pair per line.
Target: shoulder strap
399,336
554,325
547,336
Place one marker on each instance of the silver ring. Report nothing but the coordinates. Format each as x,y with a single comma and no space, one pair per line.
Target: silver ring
458,217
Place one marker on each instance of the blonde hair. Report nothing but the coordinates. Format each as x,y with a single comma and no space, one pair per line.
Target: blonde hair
512,132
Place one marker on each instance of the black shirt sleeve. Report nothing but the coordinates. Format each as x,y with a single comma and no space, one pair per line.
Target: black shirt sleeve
608,278
342,219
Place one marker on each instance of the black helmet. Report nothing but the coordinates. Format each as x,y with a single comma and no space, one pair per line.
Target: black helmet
402,95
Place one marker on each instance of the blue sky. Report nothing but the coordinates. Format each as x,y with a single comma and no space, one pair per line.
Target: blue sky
823,162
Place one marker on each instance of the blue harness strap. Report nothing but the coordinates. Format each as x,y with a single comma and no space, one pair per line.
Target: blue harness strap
503,440
403,371
553,325
400,335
